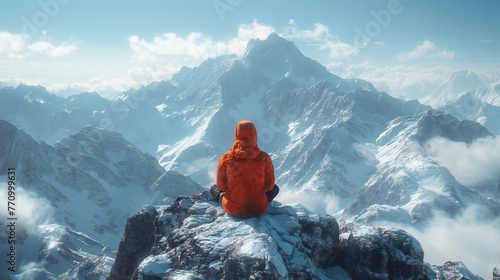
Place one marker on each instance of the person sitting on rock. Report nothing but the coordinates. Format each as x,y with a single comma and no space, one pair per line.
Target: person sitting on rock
245,176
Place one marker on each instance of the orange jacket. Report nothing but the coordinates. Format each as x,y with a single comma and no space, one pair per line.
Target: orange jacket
245,173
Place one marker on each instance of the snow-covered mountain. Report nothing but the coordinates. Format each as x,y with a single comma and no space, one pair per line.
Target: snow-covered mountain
468,97
307,118
88,184
471,107
336,144
407,184
46,116
327,136
458,84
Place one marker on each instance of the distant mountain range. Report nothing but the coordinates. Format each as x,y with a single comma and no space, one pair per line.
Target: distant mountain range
468,97
93,181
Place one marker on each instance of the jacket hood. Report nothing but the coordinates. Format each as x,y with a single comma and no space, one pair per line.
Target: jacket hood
245,140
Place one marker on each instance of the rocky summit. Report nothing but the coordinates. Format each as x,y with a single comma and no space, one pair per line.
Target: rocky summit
194,239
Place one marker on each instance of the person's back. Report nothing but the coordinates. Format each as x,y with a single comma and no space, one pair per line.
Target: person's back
245,175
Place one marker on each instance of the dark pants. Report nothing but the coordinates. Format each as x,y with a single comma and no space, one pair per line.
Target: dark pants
272,193
218,194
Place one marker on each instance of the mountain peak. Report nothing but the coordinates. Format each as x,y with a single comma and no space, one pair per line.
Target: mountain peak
273,44
464,73
274,36
465,80
459,83
274,50
279,58
28,88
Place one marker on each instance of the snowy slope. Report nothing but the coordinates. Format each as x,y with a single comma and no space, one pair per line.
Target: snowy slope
470,107
408,184
492,95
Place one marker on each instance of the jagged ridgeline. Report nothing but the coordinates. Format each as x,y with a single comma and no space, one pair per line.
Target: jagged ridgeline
354,151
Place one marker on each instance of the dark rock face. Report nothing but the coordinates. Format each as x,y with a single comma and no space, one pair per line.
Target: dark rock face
195,239
320,237
235,267
135,244
405,254
363,253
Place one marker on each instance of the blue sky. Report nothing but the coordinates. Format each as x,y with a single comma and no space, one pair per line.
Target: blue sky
404,47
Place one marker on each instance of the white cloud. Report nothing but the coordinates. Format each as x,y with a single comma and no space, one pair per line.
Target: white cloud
471,238
471,164
30,210
246,32
422,50
17,46
45,47
402,81
316,202
108,87
12,43
320,35
340,50
426,50
196,47
446,54
164,55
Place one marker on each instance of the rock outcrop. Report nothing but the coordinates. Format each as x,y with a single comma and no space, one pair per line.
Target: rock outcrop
135,244
194,238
